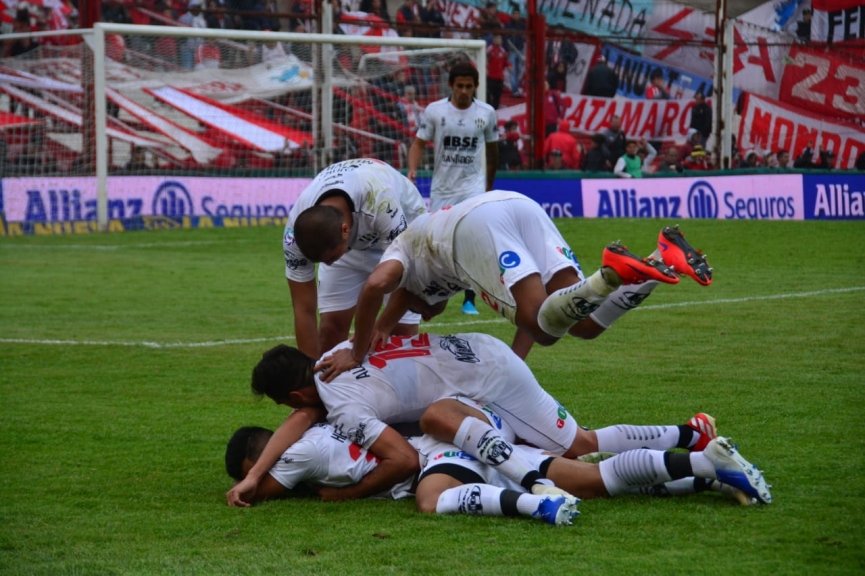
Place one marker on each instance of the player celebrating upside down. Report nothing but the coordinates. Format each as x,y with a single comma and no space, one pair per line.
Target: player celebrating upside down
505,247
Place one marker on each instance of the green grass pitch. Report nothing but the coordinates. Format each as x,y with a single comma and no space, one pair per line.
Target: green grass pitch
125,361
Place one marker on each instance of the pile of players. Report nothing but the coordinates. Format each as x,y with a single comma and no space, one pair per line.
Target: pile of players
459,421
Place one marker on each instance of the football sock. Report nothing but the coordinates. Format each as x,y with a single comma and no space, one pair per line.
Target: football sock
625,297
622,437
483,442
702,466
487,500
567,306
623,472
680,487
469,296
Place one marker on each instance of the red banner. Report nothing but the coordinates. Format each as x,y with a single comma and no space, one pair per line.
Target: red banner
825,82
758,55
771,126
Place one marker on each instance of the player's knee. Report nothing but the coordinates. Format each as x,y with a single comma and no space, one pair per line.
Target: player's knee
426,502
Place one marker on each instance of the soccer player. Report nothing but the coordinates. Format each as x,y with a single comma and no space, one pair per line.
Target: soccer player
452,481
461,129
344,219
408,379
503,245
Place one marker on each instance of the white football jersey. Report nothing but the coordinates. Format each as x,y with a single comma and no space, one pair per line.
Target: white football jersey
426,250
323,456
459,138
400,379
384,201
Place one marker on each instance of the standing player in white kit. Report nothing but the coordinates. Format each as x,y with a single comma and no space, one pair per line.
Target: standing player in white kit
462,129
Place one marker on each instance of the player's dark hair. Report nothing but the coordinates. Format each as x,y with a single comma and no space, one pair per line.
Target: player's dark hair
246,442
463,69
656,73
282,370
318,230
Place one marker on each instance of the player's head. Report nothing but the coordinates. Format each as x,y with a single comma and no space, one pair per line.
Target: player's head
243,450
322,233
285,375
463,80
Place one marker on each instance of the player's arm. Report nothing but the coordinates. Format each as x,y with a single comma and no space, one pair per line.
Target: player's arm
289,432
304,302
384,279
397,305
492,151
415,156
397,460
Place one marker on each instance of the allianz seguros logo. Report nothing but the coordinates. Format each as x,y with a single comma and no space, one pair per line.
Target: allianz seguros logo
173,200
702,200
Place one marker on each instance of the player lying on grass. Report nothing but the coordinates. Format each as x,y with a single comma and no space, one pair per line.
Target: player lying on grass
451,481
407,379
503,246
360,206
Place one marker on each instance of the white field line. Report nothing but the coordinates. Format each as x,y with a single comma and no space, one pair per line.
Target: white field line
112,247
430,326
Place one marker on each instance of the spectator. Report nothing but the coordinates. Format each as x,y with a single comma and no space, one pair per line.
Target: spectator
489,21
553,109
510,147
783,158
656,89
433,18
630,164
860,162
497,65
671,162
515,44
825,159
615,137
114,11
597,157
555,160
408,13
21,24
803,27
701,118
601,80
557,76
565,143
697,159
377,7
249,13
411,108
752,160
561,50
192,18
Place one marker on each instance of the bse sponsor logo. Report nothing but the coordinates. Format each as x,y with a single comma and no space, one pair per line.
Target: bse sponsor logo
172,199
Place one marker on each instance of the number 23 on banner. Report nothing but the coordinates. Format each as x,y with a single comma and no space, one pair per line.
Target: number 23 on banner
823,83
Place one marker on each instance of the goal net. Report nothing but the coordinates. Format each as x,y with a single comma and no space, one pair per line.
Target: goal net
157,103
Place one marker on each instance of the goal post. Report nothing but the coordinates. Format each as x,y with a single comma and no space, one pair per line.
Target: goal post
213,102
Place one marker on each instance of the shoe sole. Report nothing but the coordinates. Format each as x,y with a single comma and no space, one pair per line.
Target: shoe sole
687,260
747,479
617,257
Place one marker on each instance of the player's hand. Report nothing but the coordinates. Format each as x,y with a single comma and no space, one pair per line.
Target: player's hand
328,494
335,364
379,338
238,496
411,175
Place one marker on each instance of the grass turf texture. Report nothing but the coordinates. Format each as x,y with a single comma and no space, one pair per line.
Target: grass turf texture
112,453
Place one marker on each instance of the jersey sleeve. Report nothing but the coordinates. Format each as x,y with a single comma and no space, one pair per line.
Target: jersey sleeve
491,130
302,461
297,266
396,251
426,126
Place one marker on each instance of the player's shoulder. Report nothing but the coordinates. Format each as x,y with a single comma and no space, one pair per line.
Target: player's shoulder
484,107
438,106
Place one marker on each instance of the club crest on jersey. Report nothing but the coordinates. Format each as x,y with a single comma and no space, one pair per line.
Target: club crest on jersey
460,348
480,123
